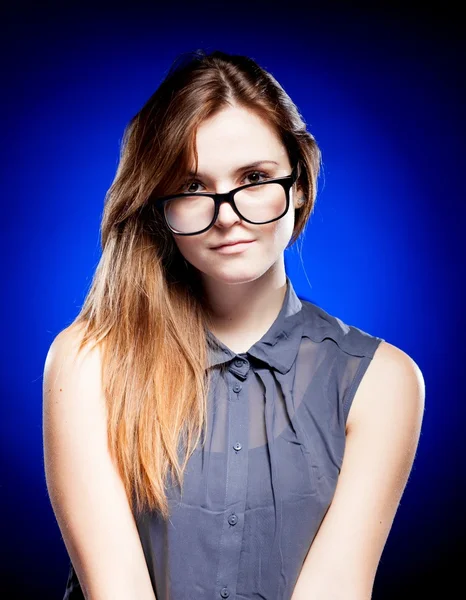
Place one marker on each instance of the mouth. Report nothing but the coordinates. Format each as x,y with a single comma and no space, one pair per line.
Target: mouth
233,248
232,244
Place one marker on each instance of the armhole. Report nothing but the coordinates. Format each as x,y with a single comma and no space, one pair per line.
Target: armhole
73,590
349,397
360,371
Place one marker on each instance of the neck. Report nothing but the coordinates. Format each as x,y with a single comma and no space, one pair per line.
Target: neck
241,313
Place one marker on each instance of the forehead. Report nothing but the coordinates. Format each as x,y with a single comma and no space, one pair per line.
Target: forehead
236,136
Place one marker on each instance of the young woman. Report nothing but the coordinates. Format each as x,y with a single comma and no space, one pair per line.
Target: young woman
207,434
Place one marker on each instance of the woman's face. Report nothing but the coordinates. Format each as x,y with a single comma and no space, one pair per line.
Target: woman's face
231,139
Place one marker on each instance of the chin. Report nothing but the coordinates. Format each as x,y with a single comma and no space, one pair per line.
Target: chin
235,274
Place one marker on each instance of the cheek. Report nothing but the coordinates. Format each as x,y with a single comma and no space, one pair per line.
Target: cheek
283,230
189,247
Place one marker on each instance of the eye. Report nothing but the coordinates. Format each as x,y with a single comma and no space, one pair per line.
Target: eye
191,184
262,174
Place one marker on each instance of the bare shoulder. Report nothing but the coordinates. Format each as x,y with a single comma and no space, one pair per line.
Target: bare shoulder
72,390
72,395
392,387
64,355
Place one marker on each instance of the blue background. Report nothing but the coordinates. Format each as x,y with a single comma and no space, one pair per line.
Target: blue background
383,92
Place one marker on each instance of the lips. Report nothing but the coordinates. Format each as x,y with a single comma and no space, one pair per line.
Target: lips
232,243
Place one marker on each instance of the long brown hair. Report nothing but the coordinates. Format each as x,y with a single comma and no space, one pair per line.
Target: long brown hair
145,306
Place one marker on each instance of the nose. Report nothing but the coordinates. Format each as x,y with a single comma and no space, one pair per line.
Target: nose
226,216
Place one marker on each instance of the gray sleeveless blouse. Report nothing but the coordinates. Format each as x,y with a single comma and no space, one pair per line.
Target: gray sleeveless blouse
255,495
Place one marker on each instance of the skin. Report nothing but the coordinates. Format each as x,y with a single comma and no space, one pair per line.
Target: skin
245,290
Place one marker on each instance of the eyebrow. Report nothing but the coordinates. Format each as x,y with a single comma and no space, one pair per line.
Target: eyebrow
238,170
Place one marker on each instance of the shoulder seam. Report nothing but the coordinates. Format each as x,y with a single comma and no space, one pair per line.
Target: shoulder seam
352,340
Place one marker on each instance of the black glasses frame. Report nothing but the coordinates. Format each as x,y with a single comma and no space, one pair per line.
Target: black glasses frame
286,182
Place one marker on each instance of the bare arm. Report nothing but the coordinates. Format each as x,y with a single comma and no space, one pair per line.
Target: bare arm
85,489
383,431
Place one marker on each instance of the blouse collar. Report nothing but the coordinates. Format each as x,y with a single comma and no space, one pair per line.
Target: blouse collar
286,329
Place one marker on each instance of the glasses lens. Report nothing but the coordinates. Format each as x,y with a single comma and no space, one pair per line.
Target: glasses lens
259,204
189,214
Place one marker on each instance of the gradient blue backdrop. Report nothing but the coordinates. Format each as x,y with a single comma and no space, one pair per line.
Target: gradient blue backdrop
383,93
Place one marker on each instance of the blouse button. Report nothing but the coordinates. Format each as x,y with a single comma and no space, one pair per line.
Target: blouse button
238,362
224,593
237,446
237,387
232,519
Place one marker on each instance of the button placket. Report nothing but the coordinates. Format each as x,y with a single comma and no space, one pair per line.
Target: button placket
231,540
